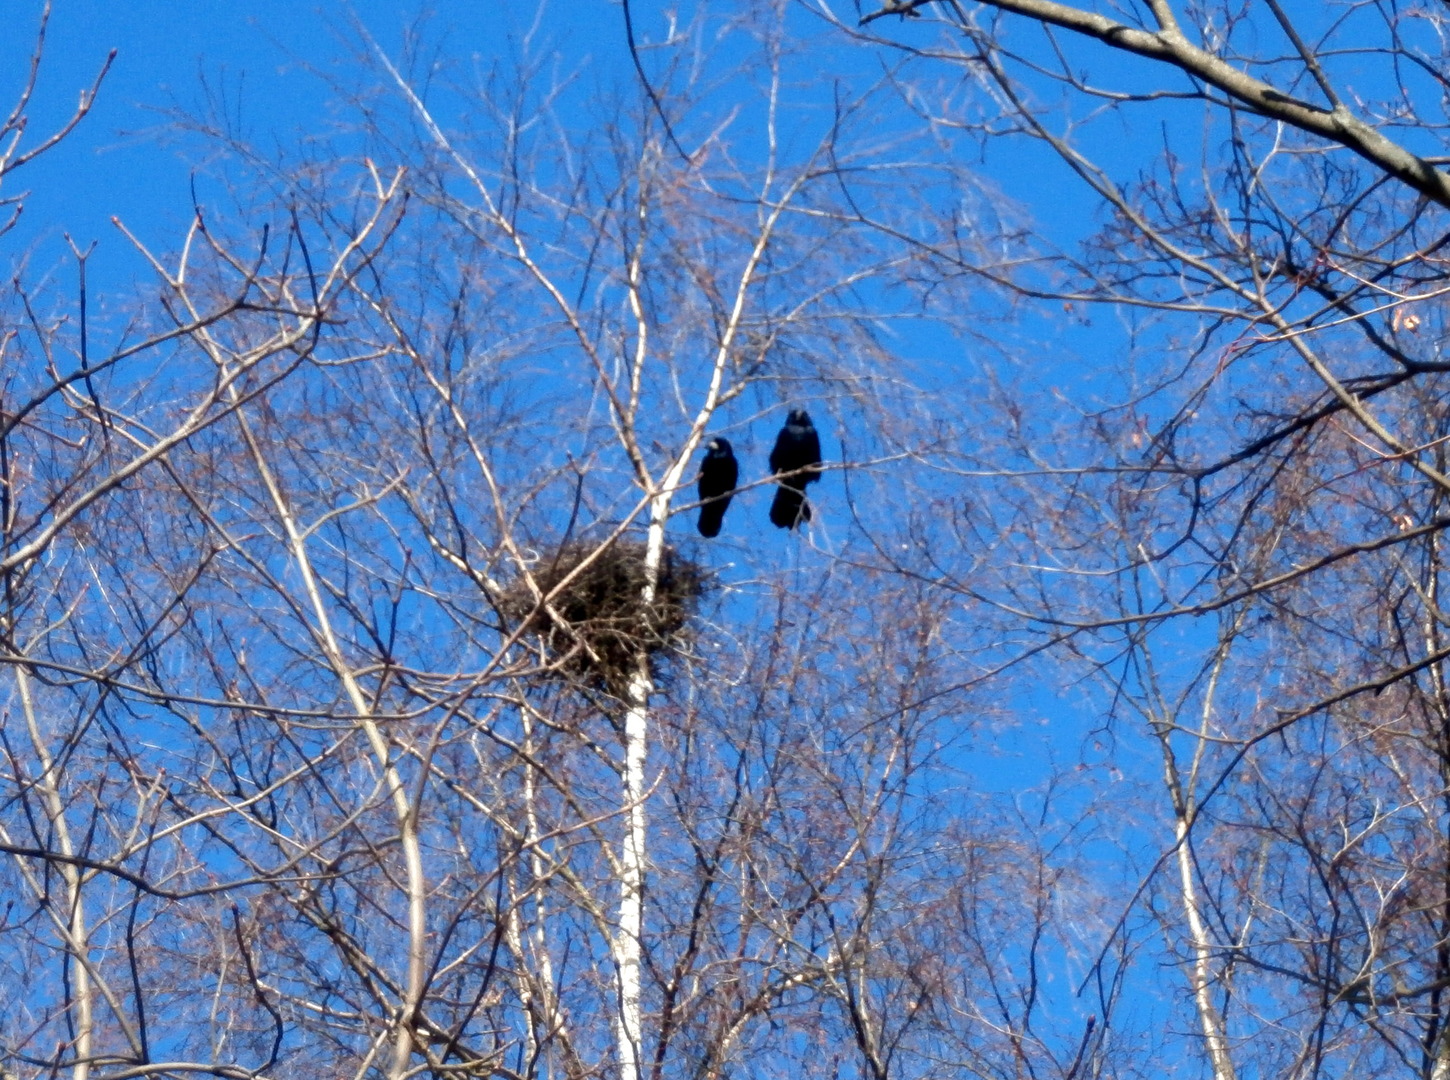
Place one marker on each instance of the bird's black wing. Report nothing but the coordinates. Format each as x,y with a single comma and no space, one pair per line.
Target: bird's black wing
810,442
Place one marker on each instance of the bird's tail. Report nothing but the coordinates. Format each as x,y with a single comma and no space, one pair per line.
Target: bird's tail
789,508
712,515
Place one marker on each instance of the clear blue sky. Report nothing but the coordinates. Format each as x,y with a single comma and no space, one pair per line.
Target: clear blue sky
272,62
271,59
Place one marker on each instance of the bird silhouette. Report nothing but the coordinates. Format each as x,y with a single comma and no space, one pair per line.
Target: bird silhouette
795,462
718,474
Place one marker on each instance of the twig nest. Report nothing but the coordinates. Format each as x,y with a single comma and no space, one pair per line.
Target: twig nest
603,623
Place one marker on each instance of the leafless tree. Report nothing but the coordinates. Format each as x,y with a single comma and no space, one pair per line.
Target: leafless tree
1235,531
317,759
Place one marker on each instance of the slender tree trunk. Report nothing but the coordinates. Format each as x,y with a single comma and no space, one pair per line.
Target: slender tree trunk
1440,1070
632,859
410,1007
72,925
1180,786
1202,971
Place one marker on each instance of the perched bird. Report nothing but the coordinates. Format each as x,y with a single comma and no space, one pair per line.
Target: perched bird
797,451
718,474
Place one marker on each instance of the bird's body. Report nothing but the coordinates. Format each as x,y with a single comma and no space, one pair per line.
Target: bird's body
794,461
718,475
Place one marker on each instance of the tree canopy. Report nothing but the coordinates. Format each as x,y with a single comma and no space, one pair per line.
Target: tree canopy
371,707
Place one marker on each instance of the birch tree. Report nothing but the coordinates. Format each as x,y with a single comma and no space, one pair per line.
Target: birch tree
311,762
1238,523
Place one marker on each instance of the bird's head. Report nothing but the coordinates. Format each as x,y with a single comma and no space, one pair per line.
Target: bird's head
799,417
718,445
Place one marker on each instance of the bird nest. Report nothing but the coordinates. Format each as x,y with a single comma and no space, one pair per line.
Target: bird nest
603,623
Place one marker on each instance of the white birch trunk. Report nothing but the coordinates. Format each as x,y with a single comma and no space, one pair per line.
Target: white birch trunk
410,1007
1441,1069
627,942
1201,975
72,927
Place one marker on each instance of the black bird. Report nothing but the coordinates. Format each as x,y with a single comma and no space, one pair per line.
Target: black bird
718,474
798,451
